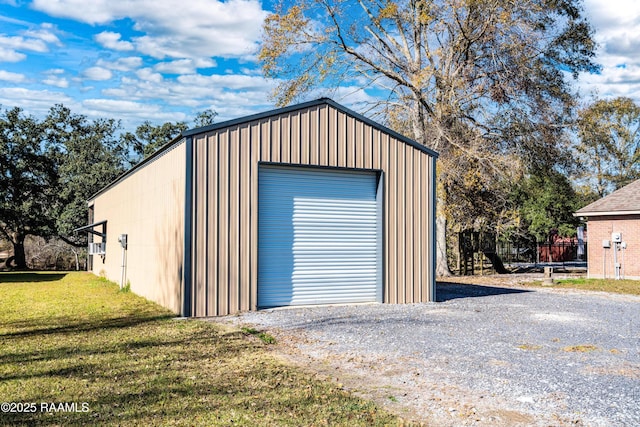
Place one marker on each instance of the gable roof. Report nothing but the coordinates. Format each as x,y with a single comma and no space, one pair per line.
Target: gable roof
234,122
305,105
625,201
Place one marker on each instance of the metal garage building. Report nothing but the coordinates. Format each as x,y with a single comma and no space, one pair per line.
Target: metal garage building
308,204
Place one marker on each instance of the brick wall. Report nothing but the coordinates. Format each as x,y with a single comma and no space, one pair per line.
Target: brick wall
601,260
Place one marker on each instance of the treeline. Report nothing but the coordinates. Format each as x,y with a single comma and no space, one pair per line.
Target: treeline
50,167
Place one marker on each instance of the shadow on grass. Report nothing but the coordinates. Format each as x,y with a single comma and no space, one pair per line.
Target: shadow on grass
68,326
195,377
446,291
86,354
30,277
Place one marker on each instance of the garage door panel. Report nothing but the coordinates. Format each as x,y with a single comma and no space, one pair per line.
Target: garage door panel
318,237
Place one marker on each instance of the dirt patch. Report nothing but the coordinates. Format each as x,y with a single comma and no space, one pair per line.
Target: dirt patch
418,399
508,280
628,370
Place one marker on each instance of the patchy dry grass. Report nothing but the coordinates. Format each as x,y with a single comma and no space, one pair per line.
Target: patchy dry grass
631,287
529,347
584,348
75,338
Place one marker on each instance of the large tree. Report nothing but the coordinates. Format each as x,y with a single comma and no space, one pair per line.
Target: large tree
481,82
545,201
88,155
148,138
609,148
28,182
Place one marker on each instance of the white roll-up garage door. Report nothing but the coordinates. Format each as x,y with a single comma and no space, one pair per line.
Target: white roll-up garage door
319,237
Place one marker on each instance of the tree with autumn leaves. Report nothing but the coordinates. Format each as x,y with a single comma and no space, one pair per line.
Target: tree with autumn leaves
483,82
609,149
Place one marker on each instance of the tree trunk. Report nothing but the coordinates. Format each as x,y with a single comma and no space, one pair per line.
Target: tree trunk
19,258
442,266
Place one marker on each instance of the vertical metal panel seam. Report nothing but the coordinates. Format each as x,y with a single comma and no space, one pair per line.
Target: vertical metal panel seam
409,230
346,140
234,245
240,236
245,215
205,233
223,224
227,215
318,132
381,234
432,274
188,221
300,136
249,251
216,225
194,232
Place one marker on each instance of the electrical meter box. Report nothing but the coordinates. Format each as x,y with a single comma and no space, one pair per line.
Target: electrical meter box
123,240
606,244
616,237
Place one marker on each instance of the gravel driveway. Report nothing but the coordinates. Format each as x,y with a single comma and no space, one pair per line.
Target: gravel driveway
482,356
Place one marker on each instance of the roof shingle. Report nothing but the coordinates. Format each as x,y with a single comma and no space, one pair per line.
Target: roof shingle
625,201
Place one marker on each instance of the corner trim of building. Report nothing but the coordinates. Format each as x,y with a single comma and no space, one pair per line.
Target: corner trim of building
187,279
432,238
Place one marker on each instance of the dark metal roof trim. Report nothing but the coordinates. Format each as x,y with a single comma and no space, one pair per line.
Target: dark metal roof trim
321,101
259,116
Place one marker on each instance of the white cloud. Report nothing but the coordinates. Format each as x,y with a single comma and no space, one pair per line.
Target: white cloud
12,77
147,75
112,40
97,73
21,43
226,81
120,108
129,63
206,28
45,33
10,55
33,101
53,78
32,40
230,95
617,30
57,82
183,66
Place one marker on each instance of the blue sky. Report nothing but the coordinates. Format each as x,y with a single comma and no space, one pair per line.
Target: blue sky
166,60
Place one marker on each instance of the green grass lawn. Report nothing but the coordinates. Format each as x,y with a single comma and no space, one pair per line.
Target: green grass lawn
116,359
605,285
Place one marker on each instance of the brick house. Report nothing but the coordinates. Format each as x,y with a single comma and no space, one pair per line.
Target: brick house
614,234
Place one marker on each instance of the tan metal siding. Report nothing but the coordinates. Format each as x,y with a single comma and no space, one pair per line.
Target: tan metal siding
223,284
392,223
314,144
255,135
200,273
304,144
409,241
342,138
148,206
429,214
245,193
401,219
320,136
212,224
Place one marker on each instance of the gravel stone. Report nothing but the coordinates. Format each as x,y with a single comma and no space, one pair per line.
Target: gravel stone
483,355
